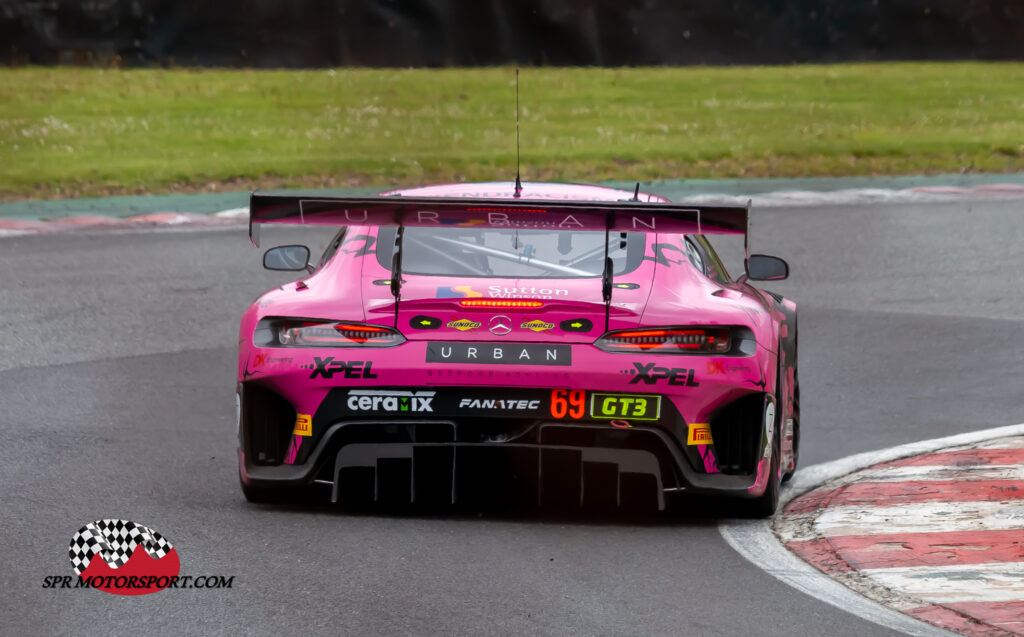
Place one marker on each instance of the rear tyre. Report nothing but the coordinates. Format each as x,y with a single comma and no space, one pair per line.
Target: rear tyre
765,505
796,427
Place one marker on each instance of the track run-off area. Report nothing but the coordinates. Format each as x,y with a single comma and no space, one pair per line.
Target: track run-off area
117,370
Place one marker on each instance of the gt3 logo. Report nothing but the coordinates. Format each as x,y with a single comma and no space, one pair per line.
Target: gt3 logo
328,367
649,375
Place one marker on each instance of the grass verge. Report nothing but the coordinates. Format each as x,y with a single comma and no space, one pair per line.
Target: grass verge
83,132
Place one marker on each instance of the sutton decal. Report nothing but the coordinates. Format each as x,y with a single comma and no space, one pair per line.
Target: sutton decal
502,292
387,400
649,374
328,367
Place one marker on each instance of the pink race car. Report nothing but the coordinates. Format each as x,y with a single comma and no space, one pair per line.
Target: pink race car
562,345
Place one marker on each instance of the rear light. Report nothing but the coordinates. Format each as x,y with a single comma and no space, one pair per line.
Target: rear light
334,334
668,340
506,304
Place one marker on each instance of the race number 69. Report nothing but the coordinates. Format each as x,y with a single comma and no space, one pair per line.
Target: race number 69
568,402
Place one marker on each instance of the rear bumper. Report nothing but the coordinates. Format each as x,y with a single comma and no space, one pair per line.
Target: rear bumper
565,464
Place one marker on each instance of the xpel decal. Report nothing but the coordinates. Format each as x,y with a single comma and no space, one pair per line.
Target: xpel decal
328,367
649,375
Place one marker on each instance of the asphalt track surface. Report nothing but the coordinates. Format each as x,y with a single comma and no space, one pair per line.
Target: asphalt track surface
117,367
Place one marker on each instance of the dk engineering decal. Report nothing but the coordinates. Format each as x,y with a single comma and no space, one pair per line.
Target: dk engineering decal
125,558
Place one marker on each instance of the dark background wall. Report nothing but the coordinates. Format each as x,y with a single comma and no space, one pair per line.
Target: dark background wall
315,33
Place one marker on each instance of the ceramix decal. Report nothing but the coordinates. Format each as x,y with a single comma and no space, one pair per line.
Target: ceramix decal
393,401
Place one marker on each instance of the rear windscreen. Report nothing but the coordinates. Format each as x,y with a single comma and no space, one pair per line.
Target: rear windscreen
490,252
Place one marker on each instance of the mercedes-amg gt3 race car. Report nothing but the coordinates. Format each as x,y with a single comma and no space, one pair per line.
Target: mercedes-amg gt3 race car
561,345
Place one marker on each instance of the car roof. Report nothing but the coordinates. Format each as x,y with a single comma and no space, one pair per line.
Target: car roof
531,190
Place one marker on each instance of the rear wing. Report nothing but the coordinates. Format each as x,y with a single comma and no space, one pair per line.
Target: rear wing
605,216
539,214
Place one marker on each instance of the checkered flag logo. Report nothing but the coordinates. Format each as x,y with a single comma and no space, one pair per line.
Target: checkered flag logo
114,541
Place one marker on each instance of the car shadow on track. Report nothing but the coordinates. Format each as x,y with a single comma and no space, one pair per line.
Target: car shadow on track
691,511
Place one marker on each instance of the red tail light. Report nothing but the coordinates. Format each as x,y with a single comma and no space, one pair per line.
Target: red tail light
336,334
495,303
668,340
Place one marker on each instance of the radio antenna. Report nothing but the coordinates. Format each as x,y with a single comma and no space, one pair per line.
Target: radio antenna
519,184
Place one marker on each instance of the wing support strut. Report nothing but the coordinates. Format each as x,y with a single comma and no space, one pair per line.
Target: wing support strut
606,276
396,269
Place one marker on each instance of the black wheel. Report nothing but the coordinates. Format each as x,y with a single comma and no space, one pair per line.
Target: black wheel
796,427
765,505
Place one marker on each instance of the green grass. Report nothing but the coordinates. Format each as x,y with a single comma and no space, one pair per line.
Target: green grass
79,132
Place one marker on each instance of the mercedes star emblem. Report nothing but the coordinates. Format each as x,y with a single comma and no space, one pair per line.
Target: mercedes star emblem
500,325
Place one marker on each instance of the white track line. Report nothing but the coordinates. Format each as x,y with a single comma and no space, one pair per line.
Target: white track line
917,517
755,541
933,473
999,582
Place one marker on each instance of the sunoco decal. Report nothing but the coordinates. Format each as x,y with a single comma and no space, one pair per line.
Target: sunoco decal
536,326
463,324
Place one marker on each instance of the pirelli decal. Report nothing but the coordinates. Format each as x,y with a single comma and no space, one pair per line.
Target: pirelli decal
303,425
699,433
